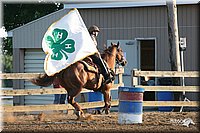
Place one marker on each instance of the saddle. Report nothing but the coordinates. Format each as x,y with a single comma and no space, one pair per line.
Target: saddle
89,65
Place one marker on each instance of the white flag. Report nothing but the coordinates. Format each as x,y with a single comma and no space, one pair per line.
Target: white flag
66,42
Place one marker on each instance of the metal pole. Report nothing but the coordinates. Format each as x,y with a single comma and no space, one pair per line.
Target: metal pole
182,68
183,79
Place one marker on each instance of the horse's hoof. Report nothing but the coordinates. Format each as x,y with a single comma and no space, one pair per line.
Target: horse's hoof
107,111
96,112
99,112
80,115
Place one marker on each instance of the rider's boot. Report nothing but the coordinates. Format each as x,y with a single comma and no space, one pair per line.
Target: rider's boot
109,77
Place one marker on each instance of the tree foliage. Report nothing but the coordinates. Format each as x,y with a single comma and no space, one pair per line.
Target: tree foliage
16,15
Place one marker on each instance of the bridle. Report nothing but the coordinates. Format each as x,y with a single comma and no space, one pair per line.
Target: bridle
120,62
117,60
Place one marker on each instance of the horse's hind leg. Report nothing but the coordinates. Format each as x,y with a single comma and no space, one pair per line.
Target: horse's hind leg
107,100
77,107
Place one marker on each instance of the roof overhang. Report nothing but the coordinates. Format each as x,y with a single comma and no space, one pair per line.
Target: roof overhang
120,3
10,34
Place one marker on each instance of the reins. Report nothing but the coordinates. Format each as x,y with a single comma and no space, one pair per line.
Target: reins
107,51
119,62
110,53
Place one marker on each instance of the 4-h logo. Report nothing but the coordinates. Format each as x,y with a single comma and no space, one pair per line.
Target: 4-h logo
60,44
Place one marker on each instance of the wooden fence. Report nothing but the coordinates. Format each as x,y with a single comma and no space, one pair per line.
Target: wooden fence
137,73
120,71
27,108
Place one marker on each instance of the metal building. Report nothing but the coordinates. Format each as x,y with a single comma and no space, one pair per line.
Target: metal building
141,29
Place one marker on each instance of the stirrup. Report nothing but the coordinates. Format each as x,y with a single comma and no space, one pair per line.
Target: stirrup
112,75
112,72
110,79
107,81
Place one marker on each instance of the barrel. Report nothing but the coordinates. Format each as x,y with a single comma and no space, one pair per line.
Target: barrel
130,109
95,97
165,96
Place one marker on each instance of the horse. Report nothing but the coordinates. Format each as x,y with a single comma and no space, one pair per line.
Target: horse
78,76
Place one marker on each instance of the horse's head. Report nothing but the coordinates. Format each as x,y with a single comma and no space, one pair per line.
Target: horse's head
120,59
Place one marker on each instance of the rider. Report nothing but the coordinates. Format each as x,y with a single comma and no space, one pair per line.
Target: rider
108,76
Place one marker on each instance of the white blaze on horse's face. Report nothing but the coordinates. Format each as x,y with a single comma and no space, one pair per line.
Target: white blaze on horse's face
120,57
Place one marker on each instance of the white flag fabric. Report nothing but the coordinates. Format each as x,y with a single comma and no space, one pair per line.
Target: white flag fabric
66,42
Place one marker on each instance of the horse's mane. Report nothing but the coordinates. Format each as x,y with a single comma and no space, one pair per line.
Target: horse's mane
106,51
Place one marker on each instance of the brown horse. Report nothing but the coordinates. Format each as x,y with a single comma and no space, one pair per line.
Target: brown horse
78,76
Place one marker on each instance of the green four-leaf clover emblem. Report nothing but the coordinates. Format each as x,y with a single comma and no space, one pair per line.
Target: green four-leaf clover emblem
59,44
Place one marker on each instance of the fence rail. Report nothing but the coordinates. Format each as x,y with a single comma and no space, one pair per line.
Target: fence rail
23,92
29,76
138,73
87,105
170,88
20,92
19,75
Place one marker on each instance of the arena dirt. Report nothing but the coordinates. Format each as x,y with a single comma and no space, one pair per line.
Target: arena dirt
62,122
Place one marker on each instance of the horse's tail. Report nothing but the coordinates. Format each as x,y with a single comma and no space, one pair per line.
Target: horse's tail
43,80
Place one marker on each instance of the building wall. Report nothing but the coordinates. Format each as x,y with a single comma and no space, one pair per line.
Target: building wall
31,34
147,22
126,24
121,24
18,66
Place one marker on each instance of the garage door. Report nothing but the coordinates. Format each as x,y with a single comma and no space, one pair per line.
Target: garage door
33,63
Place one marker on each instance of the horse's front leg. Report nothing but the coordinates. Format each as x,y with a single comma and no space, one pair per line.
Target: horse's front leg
78,111
107,100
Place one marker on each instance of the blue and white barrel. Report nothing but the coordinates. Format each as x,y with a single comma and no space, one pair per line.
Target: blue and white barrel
130,105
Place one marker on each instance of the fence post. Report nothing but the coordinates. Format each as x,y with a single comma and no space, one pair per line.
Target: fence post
134,80
120,77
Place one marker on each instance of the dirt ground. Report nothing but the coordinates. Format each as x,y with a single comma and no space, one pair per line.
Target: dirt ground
62,122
